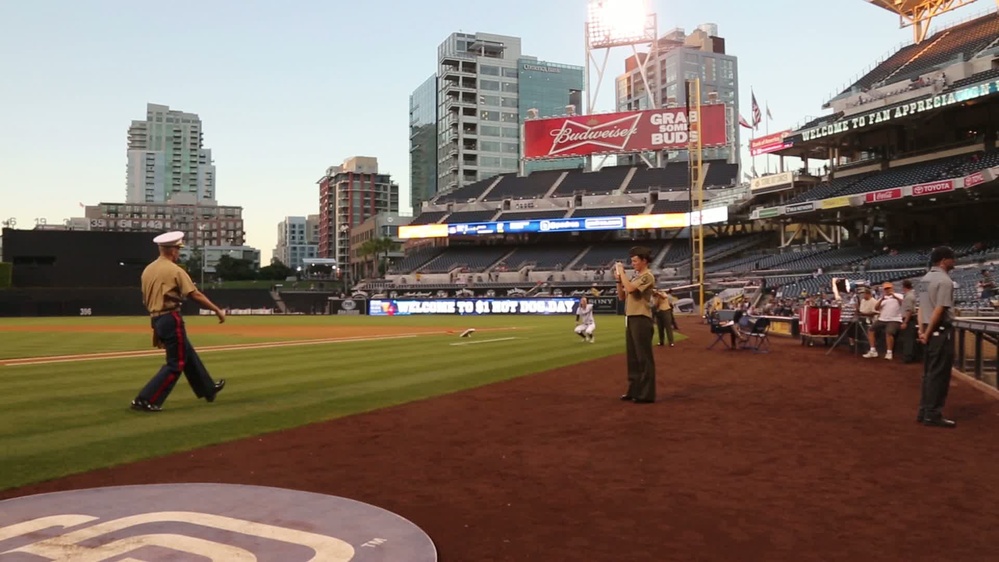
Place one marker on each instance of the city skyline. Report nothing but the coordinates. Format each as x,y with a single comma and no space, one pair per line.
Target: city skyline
269,82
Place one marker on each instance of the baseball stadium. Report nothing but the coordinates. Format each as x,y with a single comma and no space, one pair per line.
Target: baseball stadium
447,410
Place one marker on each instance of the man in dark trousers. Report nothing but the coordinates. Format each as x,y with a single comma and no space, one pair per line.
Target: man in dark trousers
909,322
936,332
165,286
664,317
636,293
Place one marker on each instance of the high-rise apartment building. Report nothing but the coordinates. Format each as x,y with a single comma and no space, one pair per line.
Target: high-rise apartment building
350,194
481,103
680,57
298,240
166,158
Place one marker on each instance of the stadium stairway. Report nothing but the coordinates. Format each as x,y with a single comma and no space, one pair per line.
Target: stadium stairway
489,189
276,295
924,50
627,180
558,182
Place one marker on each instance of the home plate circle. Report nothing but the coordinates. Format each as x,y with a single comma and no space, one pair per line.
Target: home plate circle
203,523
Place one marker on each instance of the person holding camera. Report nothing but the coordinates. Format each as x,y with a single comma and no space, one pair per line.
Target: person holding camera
636,292
889,308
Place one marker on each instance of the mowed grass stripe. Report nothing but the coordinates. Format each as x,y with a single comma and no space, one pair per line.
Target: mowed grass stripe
83,423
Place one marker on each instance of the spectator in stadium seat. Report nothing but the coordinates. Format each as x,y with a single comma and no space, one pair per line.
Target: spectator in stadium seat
636,293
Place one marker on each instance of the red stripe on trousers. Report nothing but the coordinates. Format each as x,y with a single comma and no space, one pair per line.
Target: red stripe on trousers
180,361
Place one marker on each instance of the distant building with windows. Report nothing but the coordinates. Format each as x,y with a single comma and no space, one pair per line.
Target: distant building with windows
350,194
203,223
481,101
681,57
298,240
166,157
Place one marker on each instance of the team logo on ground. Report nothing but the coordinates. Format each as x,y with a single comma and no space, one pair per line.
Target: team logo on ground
215,522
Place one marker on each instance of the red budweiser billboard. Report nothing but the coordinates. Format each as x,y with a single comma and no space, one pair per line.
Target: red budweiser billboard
770,143
618,133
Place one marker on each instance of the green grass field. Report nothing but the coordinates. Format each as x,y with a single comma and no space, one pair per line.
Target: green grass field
68,417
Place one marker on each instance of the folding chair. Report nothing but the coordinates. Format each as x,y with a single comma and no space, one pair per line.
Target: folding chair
720,334
760,333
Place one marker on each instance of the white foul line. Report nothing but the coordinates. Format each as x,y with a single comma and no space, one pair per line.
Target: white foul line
483,341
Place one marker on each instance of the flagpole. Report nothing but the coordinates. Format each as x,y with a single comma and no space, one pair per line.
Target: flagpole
767,129
752,135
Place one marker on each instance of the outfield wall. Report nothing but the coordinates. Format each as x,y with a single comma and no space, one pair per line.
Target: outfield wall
121,301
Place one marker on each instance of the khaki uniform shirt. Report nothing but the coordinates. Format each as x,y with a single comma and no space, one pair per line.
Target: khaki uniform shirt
936,288
636,303
665,304
164,286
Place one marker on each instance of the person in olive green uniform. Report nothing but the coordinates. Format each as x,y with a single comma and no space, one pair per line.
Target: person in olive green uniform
664,317
636,293
165,285
936,332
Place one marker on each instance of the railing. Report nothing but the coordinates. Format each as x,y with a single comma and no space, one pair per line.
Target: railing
977,348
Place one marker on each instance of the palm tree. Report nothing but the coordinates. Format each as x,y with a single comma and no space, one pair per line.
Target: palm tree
369,248
383,246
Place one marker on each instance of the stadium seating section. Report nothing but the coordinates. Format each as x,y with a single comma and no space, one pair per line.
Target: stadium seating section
532,186
607,180
473,259
923,172
954,44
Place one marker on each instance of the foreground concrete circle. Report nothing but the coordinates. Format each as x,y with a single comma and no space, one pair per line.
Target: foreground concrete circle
205,522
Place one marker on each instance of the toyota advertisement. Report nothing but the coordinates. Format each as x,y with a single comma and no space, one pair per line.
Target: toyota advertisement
619,133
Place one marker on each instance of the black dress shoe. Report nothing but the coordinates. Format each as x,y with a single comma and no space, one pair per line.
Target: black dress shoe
625,397
940,422
637,401
218,388
141,405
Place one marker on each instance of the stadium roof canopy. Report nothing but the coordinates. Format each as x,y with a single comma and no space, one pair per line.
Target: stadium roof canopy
919,13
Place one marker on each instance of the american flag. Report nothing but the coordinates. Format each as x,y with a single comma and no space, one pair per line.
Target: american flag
744,123
757,115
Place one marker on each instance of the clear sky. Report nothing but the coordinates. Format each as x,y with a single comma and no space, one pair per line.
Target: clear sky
287,88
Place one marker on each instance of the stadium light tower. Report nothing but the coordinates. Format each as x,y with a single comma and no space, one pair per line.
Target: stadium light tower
919,13
617,23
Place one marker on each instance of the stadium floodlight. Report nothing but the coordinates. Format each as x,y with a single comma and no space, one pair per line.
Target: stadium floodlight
616,23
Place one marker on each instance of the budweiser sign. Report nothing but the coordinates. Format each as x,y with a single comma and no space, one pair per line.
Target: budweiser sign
932,188
618,133
885,195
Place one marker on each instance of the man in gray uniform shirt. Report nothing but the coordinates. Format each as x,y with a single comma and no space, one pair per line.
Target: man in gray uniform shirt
936,332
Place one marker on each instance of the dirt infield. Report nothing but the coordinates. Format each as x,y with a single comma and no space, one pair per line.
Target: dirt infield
791,455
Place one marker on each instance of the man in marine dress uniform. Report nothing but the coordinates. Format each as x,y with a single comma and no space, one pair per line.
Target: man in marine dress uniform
165,286
936,332
637,294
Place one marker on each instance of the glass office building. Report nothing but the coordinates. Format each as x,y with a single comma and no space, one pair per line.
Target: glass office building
423,143
550,87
